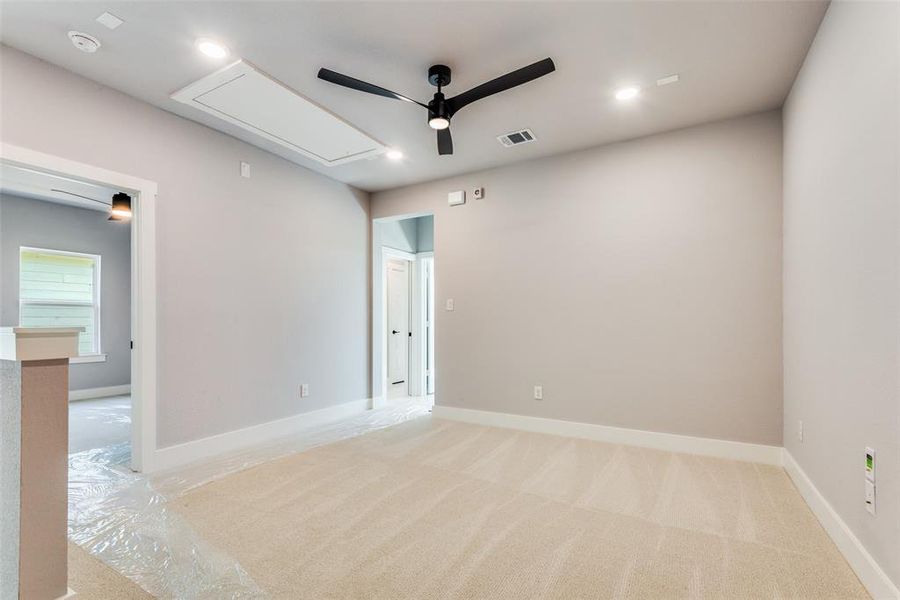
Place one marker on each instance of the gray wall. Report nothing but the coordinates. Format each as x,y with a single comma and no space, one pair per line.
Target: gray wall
639,283
26,222
842,268
262,282
425,234
415,234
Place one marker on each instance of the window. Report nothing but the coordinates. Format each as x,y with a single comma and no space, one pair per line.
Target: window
61,289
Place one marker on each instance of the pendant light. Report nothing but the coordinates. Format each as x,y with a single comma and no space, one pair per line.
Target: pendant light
121,207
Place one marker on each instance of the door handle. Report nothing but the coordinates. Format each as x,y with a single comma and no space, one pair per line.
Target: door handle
394,331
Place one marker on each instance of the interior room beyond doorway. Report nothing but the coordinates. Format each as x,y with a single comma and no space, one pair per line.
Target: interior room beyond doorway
404,284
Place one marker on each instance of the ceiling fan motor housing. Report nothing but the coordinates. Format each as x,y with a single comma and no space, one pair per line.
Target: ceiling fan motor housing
439,75
438,108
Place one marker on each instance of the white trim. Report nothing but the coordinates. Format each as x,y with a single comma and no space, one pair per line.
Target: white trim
188,452
416,369
99,392
742,451
69,594
394,252
871,575
143,288
88,358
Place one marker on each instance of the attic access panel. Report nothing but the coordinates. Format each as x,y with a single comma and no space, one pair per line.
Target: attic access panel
246,97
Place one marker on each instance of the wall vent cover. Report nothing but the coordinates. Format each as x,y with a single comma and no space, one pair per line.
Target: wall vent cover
514,138
245,96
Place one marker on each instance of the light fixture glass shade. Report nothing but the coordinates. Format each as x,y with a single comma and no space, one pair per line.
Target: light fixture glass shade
439,123
121,207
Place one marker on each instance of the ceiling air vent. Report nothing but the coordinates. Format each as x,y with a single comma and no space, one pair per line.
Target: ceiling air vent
523,136
248,98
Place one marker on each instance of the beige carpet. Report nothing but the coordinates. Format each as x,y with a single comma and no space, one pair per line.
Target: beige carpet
437,509
90,579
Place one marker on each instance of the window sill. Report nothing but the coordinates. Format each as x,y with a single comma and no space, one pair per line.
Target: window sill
87,358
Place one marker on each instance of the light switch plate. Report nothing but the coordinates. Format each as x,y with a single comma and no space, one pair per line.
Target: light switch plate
870,464
304,390
245,170
449,304
538,392
456,198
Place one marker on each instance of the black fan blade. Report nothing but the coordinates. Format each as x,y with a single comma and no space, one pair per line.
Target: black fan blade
445,141
502,83
362,86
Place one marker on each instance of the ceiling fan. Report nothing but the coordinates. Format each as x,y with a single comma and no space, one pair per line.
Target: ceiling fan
440,109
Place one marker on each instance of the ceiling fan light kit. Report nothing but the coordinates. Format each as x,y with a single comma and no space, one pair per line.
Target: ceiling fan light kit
441,109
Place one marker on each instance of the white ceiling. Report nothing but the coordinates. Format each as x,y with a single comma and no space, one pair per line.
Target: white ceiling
733,58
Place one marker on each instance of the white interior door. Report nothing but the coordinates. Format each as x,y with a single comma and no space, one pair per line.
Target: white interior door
398,327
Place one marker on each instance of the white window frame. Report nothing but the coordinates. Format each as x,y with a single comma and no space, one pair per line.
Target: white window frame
96,354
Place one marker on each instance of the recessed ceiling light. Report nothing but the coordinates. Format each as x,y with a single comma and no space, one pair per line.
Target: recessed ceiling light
211,48
394,154
627,93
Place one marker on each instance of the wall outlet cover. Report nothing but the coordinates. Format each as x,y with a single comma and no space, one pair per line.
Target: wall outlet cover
449,304
304,390
870,497
478,193
538,392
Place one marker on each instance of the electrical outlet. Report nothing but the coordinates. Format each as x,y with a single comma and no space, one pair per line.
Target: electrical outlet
304,390
538,392
800,431
478,193
449,304
870,497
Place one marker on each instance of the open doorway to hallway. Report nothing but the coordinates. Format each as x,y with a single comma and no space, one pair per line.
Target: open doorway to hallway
65,261
403,298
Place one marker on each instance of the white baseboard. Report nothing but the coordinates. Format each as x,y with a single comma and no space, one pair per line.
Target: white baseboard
757,453
182,454
69,595
100,392
876,581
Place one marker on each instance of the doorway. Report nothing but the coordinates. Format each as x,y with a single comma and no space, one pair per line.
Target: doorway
403,297
74,278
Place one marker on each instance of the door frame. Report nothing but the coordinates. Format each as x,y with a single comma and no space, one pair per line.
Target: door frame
143,285
419,315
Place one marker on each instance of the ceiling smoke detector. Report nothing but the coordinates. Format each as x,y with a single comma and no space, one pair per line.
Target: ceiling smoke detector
84,42
514,138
